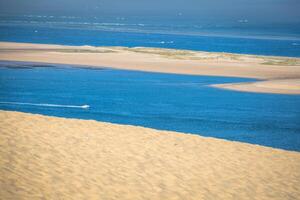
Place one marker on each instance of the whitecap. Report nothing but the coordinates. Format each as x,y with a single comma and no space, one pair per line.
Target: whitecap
85,106
166,42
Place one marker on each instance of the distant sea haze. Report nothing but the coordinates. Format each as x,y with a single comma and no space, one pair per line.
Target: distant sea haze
240,36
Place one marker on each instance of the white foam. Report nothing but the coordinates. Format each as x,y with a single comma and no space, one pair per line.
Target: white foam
85,106
243,21
165,42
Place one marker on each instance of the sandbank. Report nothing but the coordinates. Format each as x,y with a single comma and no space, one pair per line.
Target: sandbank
284,86
267,68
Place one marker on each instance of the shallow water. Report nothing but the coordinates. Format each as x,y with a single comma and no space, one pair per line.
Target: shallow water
163,101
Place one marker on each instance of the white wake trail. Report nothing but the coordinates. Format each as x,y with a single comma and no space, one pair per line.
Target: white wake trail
47,105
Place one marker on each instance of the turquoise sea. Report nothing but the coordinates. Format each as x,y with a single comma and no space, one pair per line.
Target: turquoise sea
183,103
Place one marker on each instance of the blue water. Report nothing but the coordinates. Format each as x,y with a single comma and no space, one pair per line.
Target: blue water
235,37
181,103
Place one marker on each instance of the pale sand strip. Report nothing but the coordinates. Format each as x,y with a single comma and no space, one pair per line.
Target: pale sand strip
284,86
162,60
55,158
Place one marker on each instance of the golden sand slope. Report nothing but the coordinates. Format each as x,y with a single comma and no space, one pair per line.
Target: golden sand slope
57,158
160,60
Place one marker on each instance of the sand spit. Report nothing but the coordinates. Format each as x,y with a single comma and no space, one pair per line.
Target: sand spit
282,86
160,60
55,158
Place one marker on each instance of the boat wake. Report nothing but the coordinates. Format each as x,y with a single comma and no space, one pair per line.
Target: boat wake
47,105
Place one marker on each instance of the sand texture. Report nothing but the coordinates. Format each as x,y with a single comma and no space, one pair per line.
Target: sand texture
55,158
163,60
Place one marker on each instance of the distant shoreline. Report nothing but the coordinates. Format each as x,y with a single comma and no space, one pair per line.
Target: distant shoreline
267,68
162,48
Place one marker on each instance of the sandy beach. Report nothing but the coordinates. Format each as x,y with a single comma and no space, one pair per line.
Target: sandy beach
78,159
266,68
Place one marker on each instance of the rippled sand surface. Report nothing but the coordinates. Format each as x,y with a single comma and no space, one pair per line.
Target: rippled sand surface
55,158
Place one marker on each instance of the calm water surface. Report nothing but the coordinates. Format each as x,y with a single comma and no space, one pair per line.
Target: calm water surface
196,34
163,101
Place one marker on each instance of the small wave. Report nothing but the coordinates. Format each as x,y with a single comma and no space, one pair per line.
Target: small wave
295,44
243,21
164,42
112,24
69,17
85,106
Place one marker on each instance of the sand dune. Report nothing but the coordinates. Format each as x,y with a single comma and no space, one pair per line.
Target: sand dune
162,60
55,158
